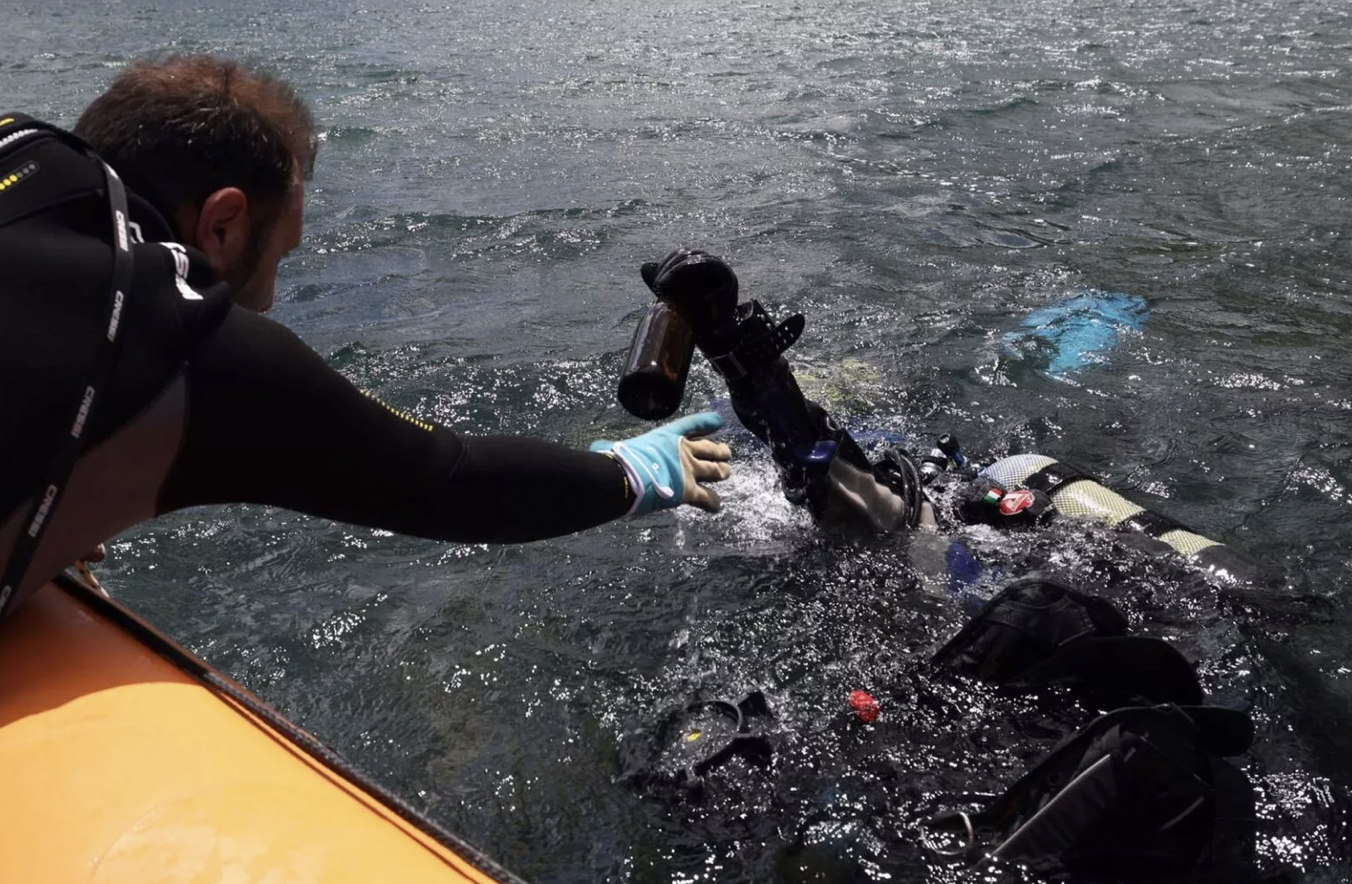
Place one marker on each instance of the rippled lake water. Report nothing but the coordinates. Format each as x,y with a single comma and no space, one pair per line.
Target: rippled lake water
914,177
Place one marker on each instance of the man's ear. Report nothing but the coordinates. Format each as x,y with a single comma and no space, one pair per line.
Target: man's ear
221,230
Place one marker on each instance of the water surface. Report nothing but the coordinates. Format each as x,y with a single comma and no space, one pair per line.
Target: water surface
915,177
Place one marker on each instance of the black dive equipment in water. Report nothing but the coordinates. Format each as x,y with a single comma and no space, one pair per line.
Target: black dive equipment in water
700,736
945,455
745,346
1142,791
1038,631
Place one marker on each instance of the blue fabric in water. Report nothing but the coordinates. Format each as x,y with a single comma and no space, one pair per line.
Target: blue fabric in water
1078,331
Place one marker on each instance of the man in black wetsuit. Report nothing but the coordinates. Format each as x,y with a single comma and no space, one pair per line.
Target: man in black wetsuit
138,376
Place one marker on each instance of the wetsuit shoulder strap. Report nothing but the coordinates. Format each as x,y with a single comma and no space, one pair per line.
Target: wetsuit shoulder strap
67,449
41,166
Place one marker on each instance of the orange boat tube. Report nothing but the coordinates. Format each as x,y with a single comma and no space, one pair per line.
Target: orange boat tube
127,760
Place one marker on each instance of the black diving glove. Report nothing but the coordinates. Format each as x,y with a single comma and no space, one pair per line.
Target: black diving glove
698,286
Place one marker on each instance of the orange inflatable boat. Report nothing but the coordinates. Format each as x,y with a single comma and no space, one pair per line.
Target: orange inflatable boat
126,760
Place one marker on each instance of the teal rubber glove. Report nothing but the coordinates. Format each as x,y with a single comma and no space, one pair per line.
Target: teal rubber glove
665,466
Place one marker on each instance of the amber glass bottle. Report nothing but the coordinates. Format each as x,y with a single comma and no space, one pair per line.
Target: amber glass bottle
652,384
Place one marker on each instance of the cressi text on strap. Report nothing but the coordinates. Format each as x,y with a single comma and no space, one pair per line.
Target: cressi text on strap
71,443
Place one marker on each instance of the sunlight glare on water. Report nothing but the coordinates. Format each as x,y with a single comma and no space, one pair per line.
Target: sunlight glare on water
917,179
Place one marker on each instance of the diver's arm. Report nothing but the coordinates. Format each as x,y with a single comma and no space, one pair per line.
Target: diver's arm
845,492
820,466
270,423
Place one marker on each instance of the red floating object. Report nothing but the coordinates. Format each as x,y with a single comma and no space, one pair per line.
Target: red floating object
864,706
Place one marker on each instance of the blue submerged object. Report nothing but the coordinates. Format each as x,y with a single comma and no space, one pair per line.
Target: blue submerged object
1077,331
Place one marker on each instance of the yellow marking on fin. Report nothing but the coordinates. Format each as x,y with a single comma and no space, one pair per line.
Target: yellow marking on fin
693,736
6,121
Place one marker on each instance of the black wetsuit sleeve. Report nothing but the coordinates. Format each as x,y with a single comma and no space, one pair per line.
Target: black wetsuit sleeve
270,423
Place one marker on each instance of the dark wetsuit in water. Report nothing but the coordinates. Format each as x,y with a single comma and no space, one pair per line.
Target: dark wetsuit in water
209,403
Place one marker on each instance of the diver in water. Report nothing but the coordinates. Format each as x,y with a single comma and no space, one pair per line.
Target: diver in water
1145,788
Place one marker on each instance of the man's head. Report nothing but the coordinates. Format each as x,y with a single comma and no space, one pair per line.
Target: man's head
222,150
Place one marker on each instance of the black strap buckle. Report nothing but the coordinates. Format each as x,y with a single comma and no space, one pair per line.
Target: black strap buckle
758,347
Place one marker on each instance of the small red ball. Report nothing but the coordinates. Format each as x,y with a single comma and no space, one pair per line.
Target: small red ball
864,706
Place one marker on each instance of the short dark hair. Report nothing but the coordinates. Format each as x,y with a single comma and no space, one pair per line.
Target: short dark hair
179,129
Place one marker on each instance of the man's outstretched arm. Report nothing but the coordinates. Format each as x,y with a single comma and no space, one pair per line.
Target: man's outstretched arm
270,423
